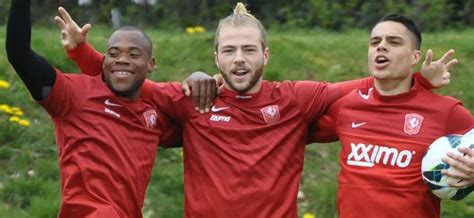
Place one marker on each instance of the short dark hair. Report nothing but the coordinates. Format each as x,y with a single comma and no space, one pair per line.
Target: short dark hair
145,36
408,23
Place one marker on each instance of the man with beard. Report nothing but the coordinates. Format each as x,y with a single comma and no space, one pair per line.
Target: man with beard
386,128
107,127
245,157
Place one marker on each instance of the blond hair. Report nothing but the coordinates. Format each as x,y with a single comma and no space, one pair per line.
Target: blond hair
241,17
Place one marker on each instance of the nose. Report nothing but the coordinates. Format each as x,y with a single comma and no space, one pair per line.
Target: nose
122,59
239,56
382,46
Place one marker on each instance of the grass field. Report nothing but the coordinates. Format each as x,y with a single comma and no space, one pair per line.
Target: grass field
29,178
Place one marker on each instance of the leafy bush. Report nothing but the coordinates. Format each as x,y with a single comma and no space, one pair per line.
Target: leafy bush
326,14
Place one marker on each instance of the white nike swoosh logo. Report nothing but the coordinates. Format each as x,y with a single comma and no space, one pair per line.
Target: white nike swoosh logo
366,97
356,125
217,109
107,102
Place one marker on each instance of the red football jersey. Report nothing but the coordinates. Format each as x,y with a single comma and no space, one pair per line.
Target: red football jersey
383,140
244,158
106,146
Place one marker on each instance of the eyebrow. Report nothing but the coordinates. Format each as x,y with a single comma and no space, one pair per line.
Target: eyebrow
129,48
244,46
389,37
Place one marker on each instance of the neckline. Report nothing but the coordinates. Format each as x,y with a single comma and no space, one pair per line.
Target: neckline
402,97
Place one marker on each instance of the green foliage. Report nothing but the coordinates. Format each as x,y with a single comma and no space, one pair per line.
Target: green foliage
327,14
29,177
169,194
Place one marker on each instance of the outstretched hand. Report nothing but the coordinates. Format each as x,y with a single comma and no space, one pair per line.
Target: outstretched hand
71,34
437,72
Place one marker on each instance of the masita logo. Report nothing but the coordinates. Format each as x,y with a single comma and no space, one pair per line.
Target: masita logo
368,155
219,118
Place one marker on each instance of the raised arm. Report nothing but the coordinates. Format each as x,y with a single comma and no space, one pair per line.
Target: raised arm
87,59
37,74
433,74
74,41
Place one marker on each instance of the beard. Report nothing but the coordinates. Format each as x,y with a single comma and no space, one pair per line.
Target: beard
127,93
253,81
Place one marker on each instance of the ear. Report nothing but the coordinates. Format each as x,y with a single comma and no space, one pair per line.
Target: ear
416,57
151,64
266,55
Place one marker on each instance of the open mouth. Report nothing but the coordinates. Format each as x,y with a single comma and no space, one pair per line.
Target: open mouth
240,72
381,62
122,73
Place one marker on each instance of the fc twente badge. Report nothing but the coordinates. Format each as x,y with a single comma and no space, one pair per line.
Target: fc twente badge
271,114
412,123
150,118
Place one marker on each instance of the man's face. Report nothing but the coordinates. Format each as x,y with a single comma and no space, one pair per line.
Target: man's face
392,52
241,58
127,62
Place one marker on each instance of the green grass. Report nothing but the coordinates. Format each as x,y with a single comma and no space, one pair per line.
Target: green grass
315,55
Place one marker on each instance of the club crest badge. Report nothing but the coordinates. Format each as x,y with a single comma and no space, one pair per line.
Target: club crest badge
413,123
271,114
150,118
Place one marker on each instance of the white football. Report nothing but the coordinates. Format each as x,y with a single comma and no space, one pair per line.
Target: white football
432,165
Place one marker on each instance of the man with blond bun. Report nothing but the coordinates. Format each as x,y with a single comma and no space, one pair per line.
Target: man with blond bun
245,157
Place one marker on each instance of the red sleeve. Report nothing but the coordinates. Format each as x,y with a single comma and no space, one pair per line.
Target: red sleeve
339,89
425,83
323,130
316,97
62,98
171,133
170,99
460,120
87,59
161,96
312,97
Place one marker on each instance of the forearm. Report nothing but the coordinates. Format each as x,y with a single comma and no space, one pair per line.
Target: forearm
423,81
37,74
340,89
323,130
87,59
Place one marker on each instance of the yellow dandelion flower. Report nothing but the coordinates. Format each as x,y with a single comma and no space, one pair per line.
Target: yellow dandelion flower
24,122
18,113
14,119
309,215
199,29
190,30
4,84
5,108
